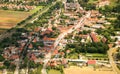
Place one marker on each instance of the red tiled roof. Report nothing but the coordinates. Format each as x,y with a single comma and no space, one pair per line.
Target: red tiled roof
94,37
55,51
33,57
91,62
30,46
104,39
35,40
37,29
46,38
47,31
14,57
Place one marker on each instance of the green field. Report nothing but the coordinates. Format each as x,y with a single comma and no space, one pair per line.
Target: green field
37,71
96,56
36,9
54,72
92,1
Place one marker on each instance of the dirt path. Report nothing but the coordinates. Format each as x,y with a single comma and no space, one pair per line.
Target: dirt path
112,62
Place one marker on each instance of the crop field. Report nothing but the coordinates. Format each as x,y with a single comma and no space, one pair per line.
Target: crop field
9,19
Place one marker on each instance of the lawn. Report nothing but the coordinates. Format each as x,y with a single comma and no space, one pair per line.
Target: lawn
36,9
93,1
54,72
72,56
96,56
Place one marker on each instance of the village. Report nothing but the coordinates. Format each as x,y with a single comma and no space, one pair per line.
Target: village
71,38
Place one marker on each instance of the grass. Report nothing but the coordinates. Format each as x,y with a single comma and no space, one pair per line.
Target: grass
72,56
54,72
92,1
37,71
113,3
36,9
96,56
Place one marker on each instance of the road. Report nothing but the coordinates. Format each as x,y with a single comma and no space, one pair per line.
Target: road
112,62
62,35
17,70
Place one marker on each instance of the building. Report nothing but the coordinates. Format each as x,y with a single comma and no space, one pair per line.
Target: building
72,5
94,37
91,62
48,41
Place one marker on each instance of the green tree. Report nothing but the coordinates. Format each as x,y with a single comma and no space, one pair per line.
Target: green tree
1,58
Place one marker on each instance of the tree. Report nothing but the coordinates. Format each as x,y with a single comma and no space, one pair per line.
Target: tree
1,58
118,55
91,50
90,6
7,63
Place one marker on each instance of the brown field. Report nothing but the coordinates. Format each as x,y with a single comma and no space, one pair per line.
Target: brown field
8,18
86,70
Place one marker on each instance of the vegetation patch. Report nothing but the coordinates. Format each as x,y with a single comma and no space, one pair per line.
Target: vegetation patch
52,71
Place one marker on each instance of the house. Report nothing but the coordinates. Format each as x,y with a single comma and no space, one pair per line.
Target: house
98,26
91,62
71,6
47,31
95,13
48,41
47,48
30,46
94,37
1,64
37,29
33,57
13,57
104,40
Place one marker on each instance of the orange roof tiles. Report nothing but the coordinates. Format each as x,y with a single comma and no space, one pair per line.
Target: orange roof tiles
46,38
94,37
91,62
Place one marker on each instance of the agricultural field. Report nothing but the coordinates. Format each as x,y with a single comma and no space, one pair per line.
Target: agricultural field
9,19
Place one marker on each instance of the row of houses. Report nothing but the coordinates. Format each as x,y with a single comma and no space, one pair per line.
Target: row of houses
25,0
17,7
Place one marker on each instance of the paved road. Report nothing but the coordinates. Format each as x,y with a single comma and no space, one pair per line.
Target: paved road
112,62
17,70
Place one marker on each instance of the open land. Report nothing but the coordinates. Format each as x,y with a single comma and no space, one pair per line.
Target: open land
86,70
10,18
